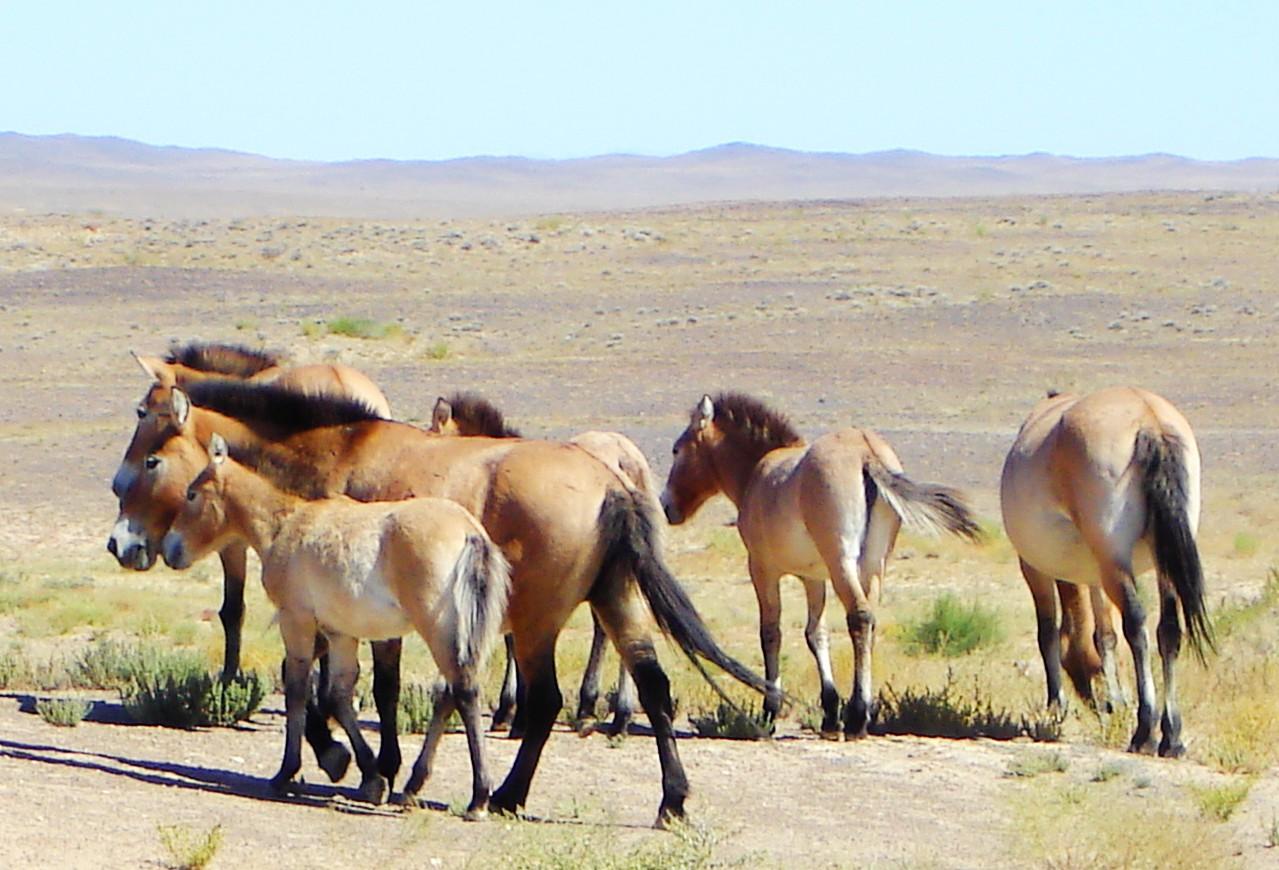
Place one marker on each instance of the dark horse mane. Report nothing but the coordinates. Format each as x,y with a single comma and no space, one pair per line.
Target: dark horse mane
476,415
280,409
223,359
753,423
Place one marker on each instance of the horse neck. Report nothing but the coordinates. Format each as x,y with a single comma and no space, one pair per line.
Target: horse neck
255,507
734,463
209,422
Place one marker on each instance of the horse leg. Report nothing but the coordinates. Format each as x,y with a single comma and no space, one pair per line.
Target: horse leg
444,707
624,702
1123,591
386,696
345,664
845,577
506,697
1107,641
818,638
298,633
589,694
466,696
234,568
1043,590
1169,636
540,702
768,596
333,757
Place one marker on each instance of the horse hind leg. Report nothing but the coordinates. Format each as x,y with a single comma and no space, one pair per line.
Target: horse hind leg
444,707
1169,636
506,699
624,702
768,596
386,697
1043,591
1122,589
818,639
540,702
1107,642
589,694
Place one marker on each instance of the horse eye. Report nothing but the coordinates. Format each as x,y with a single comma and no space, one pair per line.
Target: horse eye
191,494
152,461
142,413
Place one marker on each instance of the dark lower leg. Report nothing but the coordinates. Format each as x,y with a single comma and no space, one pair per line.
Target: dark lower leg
1134,623
861,628
542,701
234,568
623,702
296,678
589,694
468,706
333,757
1050,652
444,707
386,696
655,696
506,698
1169,637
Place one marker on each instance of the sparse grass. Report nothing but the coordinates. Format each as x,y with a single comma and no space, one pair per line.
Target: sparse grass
1107,771
246,324
437,351
1031,764
1219,802
689,846
364,328
1232,618
64,712
1272,832
417,706
732,722
946,712
188,849
953,628
175,689
1245,545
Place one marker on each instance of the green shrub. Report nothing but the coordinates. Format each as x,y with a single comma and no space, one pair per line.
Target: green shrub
106,664
188,849
361,327
732,722
945,713
417,706
952,628
64,712
15,669
175,689
1219,802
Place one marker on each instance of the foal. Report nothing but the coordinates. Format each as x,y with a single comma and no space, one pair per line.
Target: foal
357,570
1096,490
830,508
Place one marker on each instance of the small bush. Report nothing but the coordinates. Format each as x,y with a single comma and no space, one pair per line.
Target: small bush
945,713
188,849
732,722
437,352
176,690
15,669
952,628
1034,763
1109,770
417,706
64,712
1246,544
360,327
106,664
1230,618
1219,802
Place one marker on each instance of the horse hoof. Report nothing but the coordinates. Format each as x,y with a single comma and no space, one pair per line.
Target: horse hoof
281,786
1173,750
668,816
334,761
1144,748
373,790
475,814
498,726
414,801
834,735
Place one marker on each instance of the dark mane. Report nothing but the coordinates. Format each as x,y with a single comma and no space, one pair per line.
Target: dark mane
280,409
222,359
750,421
476,415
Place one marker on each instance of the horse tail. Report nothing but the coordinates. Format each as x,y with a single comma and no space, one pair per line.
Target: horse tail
926,507
1079,656
1166,484
629,530
477,590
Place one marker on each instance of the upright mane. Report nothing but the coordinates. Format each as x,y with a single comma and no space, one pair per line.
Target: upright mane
280,409
754,424
233,360
476,415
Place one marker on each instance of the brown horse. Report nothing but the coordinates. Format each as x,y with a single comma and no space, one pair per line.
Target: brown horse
569,529
468,414
352,570
827,509
1096,490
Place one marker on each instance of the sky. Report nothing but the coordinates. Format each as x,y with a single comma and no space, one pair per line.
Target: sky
429,80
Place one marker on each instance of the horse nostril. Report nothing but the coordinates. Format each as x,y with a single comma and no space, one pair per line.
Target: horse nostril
111,545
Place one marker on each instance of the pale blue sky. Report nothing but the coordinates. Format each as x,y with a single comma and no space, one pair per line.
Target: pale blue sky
424,80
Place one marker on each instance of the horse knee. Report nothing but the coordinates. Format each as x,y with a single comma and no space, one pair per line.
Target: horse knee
861,622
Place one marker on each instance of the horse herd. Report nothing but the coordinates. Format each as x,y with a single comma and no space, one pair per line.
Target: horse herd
371,528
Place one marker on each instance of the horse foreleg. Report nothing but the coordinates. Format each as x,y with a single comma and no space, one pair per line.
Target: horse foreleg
345,664
1043,590
234,568
541,702
818,638
299,645
386,696
1169,636
506,698
333,757
589,694
768,596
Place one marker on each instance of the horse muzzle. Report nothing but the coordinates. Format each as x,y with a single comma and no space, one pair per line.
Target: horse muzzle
130,549
674,515
175,555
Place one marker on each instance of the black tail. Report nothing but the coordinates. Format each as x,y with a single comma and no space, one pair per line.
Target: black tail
628,527
1166,484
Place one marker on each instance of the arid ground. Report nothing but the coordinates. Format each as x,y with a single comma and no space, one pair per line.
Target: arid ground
937,322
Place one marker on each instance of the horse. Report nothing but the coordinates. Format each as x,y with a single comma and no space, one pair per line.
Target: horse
469,414
570,530
195,362
1095,491
356,570
831,508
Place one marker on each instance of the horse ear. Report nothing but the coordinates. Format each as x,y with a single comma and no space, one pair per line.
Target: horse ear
148,364
218,451
442,414
705,412
179,407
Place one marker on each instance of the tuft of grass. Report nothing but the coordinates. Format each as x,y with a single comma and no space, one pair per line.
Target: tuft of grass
1229,619
364,328
417,706
175,689
1272,832
690,846
16,671
1219,802
1246,545
1109,770
188,849
63,712
946,712
1034,763
732,722
953,628
437,352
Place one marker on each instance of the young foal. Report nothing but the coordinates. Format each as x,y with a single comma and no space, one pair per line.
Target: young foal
830,508
468,414
357,570
1096,490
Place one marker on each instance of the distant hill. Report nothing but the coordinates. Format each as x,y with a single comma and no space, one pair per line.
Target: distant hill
118,176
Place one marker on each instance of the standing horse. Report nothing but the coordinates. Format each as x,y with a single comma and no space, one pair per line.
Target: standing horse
568,527
827,509
356,570
1096,490
196,362
468,414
